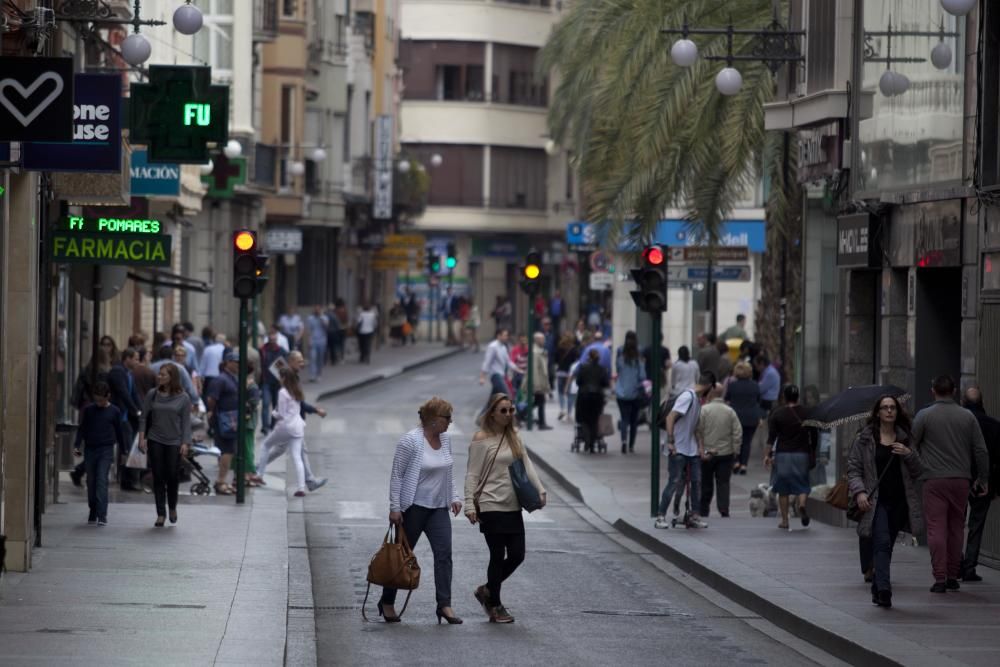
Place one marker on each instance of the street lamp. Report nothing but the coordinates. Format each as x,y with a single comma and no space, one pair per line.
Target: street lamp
233,149
188,19
296,168
318,154
958,7
206,168
136,48
774,46
403,166
436,160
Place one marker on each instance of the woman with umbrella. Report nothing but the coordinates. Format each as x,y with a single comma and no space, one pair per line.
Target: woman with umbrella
882,474
794,447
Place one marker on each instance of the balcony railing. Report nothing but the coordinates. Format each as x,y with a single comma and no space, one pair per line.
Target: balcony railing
265,20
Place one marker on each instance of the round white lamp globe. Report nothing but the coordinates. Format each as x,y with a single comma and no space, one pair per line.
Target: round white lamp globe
729,81
404,166
296,168
902,83
958,7
187,19
136,49
206,168
941,56
437,160
887,83
684,52
550,147
233,149
318,155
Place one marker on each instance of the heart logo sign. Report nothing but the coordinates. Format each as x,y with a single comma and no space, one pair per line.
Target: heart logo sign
27,92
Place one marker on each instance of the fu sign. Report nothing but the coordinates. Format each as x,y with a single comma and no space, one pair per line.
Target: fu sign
36,99
97,144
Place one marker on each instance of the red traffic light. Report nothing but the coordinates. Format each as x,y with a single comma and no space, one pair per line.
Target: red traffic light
653,256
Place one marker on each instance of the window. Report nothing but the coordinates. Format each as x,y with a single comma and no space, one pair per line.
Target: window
213,44
347,123
990,113
442,70
458,180
289,8
514,78
459,82
518,178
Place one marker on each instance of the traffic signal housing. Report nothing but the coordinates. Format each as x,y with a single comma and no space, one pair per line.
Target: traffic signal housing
433,261
451,261
651,280
263,259
244,264
531,273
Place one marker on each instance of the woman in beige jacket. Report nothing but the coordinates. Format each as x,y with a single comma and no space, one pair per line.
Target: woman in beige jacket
492,503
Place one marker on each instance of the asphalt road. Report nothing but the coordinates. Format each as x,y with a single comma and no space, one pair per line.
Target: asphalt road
582,597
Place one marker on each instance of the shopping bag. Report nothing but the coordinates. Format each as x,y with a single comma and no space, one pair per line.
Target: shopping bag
136,457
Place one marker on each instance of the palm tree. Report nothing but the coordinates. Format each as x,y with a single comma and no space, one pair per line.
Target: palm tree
647,135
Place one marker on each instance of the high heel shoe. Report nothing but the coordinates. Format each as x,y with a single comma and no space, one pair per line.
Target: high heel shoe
388,619
452,620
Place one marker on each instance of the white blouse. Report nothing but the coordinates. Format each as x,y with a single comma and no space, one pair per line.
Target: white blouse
433,490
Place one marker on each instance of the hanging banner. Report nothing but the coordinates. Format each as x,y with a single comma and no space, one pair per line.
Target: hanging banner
36,99
97,131
161,179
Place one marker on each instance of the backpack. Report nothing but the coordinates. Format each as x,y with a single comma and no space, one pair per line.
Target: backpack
667,406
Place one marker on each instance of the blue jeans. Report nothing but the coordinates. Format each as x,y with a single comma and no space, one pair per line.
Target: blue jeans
681,466
317,355
629,424
436,525
884,533
268,400
97,462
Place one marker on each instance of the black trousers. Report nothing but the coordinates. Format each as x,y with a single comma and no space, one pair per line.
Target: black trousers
979,507
165,463
506,553
717,471
365,346
540,404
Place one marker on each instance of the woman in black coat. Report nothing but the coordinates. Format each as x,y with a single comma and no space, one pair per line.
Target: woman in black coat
743,395
592,380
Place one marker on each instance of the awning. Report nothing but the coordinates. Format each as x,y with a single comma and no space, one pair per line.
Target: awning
158,278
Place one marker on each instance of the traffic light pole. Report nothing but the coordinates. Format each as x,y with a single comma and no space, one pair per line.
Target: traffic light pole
654,415
530,391
241,415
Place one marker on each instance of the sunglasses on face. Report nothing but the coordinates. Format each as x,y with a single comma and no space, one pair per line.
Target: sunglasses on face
505,411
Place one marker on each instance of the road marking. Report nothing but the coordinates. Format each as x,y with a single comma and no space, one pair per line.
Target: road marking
333,425
349,509
390,426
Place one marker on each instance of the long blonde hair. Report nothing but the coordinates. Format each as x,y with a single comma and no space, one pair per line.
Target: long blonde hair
489,425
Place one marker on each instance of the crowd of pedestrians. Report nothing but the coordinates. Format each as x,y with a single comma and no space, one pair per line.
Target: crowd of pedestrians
157,401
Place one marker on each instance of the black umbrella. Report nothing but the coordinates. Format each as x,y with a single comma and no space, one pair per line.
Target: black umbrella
852,404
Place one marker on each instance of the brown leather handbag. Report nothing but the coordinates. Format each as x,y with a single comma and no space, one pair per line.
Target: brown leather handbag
839,495
393,566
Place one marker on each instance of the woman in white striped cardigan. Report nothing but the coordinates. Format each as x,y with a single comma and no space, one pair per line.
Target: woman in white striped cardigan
421,491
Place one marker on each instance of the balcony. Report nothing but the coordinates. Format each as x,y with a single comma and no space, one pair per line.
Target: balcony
475,123
265,20
522,23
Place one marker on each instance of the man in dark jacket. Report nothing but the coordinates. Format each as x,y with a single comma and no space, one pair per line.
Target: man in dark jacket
979,506
270,352
125,397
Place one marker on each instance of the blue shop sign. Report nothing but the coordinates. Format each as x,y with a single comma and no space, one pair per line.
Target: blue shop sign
750,233
157,179
97,131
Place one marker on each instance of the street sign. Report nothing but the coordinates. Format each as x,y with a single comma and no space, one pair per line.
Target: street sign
683,274
600,282
720,273
283,240
406,240
699,254
382,200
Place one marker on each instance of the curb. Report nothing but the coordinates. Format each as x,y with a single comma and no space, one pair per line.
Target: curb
388,373
825,639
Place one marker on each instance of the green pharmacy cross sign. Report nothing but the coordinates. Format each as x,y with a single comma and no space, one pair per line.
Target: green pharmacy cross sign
226,174
114,241
178,113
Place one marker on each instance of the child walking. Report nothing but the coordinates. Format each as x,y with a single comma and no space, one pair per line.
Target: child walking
100,428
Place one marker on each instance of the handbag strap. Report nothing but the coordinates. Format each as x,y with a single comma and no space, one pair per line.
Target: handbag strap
486,472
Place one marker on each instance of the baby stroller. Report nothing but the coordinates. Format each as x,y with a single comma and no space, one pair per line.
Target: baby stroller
605,426
690,519
203,486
